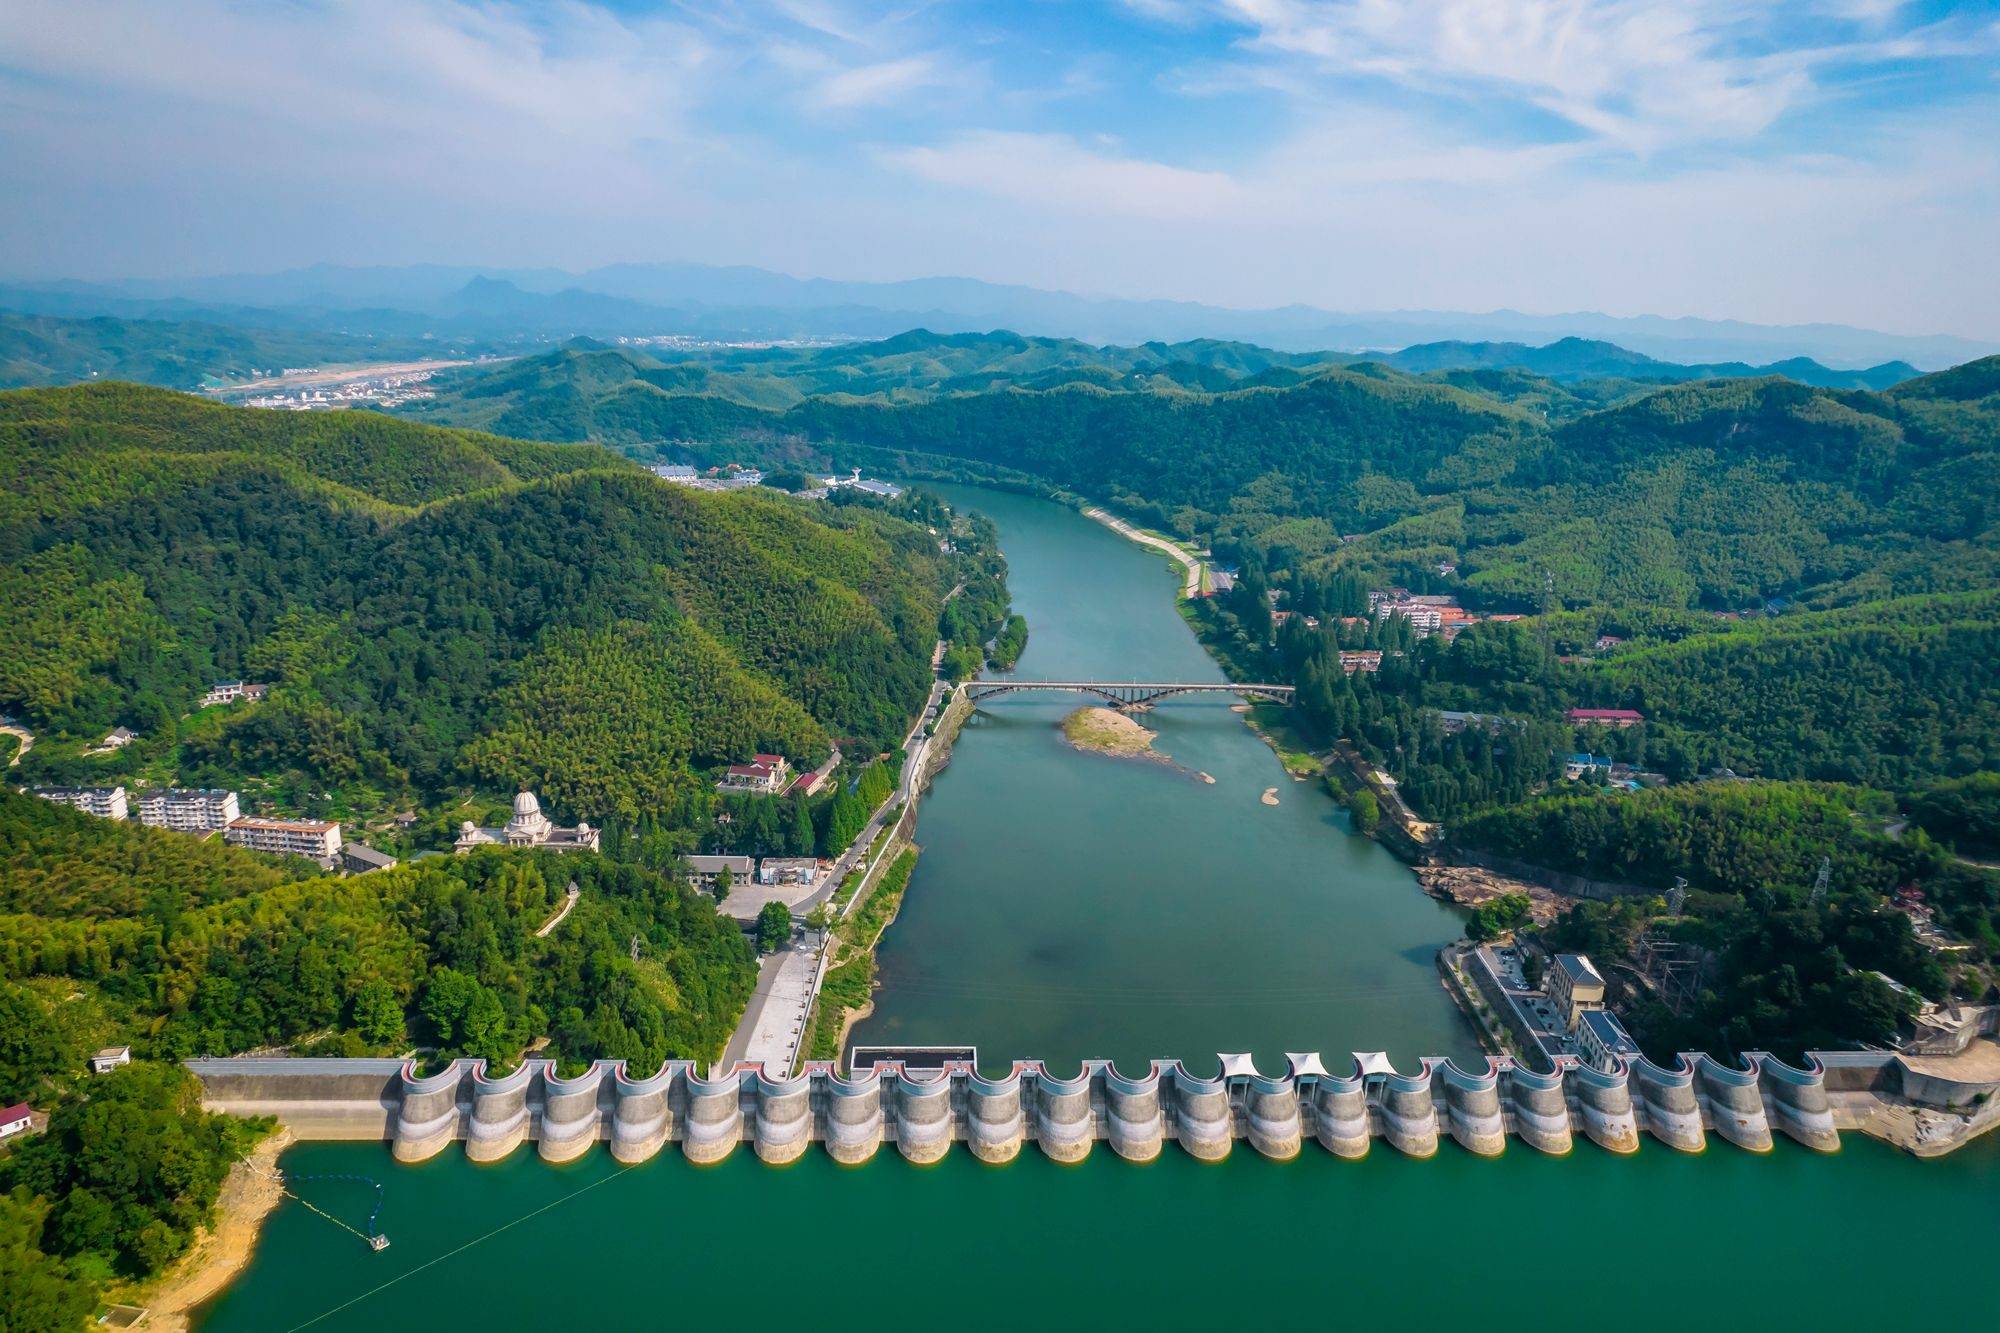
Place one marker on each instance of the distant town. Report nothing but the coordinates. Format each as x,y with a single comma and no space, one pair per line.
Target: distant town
735,477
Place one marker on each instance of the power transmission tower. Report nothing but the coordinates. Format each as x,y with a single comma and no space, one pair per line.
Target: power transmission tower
1677,896
1819,887
635,947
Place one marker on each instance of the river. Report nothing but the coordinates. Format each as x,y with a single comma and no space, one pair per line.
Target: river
1070,905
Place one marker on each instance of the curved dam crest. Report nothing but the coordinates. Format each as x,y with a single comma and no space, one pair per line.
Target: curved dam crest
1136,1115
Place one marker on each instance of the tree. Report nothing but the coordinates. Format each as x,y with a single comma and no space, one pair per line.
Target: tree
448,1000
33,1050
1367,811
1499,916
38,1292
378,1016
774,927
799,827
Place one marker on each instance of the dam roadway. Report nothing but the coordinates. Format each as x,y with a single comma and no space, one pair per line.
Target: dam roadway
1072,908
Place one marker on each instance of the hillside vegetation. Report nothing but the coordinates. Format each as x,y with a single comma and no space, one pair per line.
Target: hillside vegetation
44,350
434,608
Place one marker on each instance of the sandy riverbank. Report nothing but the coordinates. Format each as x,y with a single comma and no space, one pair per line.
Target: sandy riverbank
1190,567
220,1252
1108,731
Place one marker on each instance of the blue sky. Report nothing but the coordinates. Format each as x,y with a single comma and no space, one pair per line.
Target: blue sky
1783,162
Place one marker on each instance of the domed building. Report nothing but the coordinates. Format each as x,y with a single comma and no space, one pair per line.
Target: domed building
527,827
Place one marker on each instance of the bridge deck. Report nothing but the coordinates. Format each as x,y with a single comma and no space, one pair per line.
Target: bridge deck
1127,693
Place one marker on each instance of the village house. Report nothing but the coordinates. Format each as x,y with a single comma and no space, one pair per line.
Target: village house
1581,763
358,858
1360,659
16,1119
110,1058
229,691
117,739
1604,717
764,775
729,871
528,827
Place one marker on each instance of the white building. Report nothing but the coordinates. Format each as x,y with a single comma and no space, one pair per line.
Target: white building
787,870
104,802
229,691
110,1058
528,827
1603,1041
764,775
16,1119
189,810
312,838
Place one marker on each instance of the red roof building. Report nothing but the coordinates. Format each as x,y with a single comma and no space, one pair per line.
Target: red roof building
1608,717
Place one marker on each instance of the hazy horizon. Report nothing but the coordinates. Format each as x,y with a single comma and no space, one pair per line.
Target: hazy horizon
1816,161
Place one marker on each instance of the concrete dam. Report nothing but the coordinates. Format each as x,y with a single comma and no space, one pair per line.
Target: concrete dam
924,1112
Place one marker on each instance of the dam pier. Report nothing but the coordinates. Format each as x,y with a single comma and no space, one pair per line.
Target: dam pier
923,1113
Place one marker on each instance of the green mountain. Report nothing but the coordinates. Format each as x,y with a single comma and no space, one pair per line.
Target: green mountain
42,350
435,609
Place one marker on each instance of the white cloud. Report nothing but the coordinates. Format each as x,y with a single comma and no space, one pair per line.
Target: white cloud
1055,172
879,83
1639,76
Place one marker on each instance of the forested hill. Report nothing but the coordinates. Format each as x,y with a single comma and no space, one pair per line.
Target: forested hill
1717,493
589,390
436,610
43,350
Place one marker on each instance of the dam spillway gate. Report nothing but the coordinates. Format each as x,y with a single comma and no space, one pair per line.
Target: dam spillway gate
923,1114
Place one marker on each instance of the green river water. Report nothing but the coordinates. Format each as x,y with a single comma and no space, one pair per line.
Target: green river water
1068,906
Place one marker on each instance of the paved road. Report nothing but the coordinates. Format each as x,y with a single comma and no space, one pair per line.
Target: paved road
773,1021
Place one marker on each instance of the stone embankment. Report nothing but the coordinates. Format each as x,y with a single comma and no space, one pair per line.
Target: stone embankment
924,1113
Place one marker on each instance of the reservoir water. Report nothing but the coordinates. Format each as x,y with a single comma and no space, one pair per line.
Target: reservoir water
1070,905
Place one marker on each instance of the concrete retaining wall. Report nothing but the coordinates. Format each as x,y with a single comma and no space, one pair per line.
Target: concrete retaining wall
923,1115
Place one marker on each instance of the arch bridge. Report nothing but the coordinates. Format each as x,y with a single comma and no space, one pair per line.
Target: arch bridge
1123,694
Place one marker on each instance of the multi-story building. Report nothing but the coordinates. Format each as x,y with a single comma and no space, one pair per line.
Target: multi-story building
104,802
1603,1042
189,810
1575,987
312,838
1604,717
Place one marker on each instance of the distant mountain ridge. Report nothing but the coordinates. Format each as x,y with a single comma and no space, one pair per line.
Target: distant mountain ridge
738,301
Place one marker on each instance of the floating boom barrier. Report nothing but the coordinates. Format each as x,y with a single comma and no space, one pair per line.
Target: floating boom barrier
922,1113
